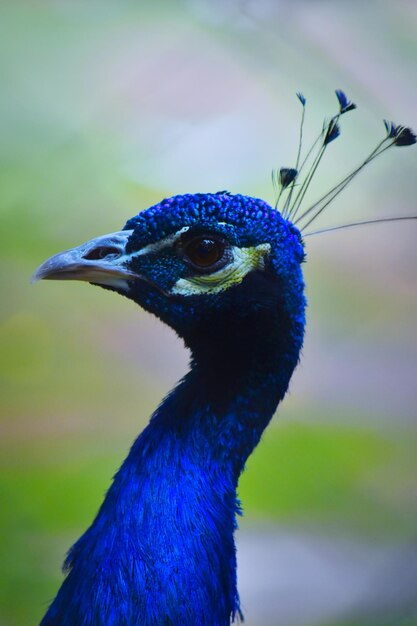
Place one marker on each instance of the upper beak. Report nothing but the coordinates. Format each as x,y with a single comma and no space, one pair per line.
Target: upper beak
101,260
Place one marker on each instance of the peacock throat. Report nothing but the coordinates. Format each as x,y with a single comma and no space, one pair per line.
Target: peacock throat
161,549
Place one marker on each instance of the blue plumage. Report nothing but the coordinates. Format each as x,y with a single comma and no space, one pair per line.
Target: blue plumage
225,272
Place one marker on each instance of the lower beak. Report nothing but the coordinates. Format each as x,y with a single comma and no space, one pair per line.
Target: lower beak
101,261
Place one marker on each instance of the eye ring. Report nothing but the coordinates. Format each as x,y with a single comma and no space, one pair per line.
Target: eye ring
205,252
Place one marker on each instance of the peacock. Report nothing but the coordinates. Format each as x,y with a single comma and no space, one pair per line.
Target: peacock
225,272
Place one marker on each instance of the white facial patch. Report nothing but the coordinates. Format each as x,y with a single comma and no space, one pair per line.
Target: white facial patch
168,242
245,260
152,248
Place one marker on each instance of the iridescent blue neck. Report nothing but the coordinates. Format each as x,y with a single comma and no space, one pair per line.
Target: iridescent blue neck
161,549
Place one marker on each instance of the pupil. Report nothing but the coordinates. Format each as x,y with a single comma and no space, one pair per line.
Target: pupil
204,252
206,248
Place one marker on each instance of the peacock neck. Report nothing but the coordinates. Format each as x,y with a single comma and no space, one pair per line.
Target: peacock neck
161,550
215,421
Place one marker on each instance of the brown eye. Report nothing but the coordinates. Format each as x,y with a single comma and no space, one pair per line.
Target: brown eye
204,252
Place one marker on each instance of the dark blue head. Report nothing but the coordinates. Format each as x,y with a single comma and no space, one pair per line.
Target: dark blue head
222,270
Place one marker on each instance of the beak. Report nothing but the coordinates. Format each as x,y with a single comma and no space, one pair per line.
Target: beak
101,261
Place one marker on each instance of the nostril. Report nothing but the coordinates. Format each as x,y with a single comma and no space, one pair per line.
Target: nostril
101,253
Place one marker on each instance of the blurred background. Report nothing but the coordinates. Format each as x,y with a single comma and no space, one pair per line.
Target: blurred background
107,107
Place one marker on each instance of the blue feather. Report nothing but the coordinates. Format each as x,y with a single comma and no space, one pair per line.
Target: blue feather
161,549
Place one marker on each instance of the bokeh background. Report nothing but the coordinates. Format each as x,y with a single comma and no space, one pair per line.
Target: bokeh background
105,108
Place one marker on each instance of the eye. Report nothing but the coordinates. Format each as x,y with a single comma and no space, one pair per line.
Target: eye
205,252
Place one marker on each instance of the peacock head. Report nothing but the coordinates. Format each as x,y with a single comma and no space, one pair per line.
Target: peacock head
215,266
201,262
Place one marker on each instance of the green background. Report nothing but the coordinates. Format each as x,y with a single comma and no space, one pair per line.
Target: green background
105,108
